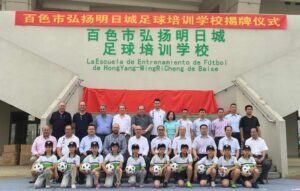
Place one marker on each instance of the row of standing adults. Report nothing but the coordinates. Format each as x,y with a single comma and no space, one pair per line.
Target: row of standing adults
241,126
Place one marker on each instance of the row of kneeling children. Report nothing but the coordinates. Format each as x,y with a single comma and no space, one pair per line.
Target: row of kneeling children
161,167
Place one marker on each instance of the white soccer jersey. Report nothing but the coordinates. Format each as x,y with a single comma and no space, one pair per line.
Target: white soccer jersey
138,162
47,161
115,160
160,161
94,161
70,160
207,162
247,161
229,163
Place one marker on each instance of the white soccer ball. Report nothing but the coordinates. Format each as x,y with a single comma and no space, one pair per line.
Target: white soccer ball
174,167
224,173
156,170
62,167
130,169
38,168
110,167
201,169
246,170
86,167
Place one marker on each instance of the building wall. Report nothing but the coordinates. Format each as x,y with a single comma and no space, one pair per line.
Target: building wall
292,134
280,7
4,124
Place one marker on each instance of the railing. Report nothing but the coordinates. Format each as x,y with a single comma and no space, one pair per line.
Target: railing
256,100
65,96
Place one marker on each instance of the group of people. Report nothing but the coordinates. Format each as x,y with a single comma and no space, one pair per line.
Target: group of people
152,142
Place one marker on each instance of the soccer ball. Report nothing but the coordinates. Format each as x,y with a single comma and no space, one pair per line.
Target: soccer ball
62,167
38,168
86,167
130,169
201,169
110,167
246,170
156,170
225,171
174,167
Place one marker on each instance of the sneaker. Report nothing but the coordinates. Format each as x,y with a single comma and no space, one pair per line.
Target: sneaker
165,184
213,184
188,184
141,185
254,185
117,184
97,186
73,186
47,186
233,185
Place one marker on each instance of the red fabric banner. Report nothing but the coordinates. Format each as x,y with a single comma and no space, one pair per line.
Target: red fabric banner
151,19
174,100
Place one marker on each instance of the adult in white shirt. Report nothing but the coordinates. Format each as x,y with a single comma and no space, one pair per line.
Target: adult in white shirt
158,116
139,140
180,140
201,142
63,142
143,146
259,151
185,122
229,140
202,120
234,120
161,139
124,122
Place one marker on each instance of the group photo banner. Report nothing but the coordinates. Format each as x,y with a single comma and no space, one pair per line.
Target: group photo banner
151,19
171,100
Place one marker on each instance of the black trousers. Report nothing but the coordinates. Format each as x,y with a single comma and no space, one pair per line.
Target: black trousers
265,167
217,140
237,135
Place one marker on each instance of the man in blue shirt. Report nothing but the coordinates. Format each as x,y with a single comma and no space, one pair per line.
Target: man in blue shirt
85,144
103,123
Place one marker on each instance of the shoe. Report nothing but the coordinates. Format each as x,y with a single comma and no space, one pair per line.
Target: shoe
97,186
142,186
213,184
73,186
31,181
165,184
146,181
188,184
261,182
117,184
254,185
47,186
233,185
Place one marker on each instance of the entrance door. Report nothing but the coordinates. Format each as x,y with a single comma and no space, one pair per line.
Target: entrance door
23,128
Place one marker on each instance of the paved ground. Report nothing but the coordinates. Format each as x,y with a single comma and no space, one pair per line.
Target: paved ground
17,184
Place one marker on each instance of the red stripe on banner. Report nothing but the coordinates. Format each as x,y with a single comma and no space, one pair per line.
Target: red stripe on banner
151,19
171,100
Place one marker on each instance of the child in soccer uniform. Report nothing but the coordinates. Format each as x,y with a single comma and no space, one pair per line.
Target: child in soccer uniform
139,163
48,160
116,159
95,160
185,166
162,160
249,180
73,162
233,168
211,163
